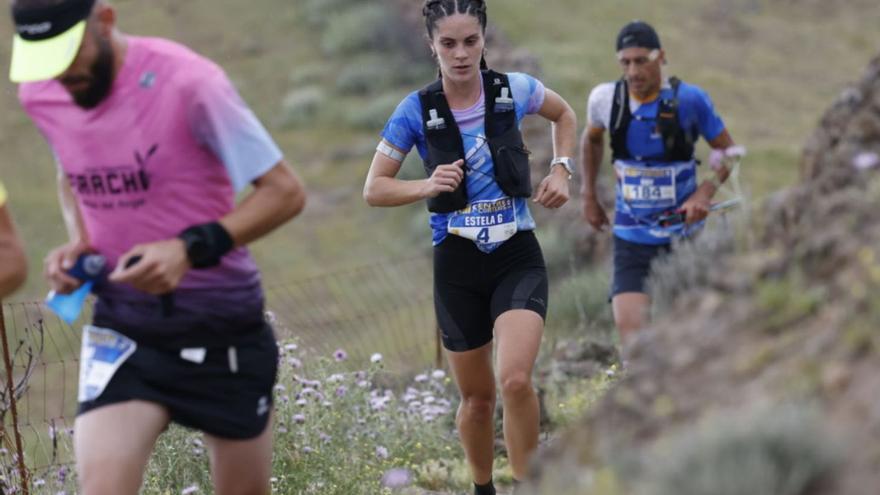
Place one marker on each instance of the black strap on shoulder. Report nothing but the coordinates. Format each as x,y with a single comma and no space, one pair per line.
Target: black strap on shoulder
621,116
444,143
500,110
438,123
677,142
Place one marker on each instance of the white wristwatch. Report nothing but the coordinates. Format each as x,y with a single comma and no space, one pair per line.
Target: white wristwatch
565,162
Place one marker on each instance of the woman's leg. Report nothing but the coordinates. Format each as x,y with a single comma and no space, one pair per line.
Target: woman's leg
476,383
519,333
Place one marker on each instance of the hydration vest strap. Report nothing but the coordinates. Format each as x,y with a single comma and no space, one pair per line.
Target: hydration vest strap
438,120
677,143
621,116
444,142
500,116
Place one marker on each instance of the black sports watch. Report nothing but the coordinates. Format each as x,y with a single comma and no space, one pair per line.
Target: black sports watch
206,244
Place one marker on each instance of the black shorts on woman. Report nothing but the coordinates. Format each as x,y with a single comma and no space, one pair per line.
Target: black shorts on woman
472,288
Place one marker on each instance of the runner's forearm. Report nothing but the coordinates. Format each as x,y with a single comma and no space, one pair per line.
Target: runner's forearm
592,153
564,130
73,222
389,191
564,123
278,196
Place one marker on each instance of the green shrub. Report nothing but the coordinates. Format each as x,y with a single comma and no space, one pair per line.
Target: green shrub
371,74
774,451
579,304
373,114
558,246
690,263
309,74
320,12
302,106
364,28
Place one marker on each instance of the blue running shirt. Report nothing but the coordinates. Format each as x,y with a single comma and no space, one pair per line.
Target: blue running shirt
646,185
404,129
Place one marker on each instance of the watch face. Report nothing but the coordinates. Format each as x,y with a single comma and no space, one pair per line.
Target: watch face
565,162
199,249
196,248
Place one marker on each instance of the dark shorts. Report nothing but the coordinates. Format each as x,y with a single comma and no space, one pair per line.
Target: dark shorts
632,265
473,288
228,394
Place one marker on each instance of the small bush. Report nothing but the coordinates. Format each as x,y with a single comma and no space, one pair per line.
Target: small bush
372,115
371,75
320,12
558,246
690,263
309,74
776,451
579,304
365,28
301,107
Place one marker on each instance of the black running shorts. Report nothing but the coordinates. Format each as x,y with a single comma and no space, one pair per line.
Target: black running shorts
228,394
632,265
472,288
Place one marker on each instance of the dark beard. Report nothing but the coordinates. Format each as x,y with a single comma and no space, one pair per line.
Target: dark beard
102,78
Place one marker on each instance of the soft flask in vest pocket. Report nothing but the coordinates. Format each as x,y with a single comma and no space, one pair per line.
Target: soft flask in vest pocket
511,159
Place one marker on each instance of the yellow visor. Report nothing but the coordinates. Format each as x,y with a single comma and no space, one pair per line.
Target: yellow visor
2,195
45,59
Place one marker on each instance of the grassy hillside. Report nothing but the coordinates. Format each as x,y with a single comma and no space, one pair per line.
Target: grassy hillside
770,66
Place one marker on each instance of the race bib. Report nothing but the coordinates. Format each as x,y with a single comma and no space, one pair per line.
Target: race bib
485,222
648,187
103,352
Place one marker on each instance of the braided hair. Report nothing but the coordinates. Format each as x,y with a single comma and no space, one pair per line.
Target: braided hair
434,10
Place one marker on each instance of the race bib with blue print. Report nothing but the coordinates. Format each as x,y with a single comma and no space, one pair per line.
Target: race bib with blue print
649,188
103,352
485,222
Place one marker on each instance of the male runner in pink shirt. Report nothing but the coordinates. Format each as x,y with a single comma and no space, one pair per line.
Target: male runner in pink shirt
152,143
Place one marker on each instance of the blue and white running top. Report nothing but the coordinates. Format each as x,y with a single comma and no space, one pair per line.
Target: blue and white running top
491,216
648,186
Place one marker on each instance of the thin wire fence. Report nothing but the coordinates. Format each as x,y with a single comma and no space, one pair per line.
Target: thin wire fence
384,307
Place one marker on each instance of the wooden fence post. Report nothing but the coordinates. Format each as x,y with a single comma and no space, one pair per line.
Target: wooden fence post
10,384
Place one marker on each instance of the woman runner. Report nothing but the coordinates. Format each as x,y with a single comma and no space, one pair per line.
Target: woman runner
489,273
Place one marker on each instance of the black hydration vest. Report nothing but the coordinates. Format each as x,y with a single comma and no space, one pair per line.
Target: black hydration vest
445,145
677,141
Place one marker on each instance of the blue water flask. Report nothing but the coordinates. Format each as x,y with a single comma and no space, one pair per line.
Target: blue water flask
89,268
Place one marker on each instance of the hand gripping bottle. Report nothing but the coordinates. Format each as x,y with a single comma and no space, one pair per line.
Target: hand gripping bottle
89,268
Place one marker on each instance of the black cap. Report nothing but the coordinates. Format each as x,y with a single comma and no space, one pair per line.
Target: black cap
638,34
42,23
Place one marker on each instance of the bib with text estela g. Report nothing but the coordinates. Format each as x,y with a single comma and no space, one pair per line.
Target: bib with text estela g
485,222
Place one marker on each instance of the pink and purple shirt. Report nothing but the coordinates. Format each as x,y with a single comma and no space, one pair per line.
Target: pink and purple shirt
169,148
